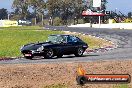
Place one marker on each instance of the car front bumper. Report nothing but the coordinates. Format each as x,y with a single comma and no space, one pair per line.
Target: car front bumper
29,53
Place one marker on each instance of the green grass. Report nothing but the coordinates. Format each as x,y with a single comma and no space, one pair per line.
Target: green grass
121,86
56,86
94,42
22,27
12,40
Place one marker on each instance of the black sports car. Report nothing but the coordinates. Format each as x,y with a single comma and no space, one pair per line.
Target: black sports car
56,45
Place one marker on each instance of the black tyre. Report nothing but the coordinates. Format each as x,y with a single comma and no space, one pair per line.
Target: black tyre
49,54
81,80
29,57
79,52
59,56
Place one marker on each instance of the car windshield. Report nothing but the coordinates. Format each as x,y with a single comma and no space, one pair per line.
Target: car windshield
56,38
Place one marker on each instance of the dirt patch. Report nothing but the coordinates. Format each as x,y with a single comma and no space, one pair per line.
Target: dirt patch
41,75
5,58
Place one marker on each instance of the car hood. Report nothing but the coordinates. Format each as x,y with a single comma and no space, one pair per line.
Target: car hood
35,46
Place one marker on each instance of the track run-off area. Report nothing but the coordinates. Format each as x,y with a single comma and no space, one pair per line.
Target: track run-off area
121,37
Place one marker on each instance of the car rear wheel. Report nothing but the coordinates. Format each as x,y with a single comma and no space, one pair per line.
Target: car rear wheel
79,52
49,54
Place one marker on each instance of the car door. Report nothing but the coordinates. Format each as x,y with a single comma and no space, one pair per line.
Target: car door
63,46
66,47
72,44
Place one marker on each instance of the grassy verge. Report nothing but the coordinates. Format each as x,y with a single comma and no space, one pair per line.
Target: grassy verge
12,38
56,86
121,86
95,42
64,86
22,27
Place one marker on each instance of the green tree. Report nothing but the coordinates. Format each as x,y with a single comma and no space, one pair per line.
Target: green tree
65,8
22,7
25,9
3,13
129,14
53,7
38,6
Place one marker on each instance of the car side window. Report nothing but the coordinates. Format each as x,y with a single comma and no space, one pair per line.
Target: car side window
64,39
69,39
72,39
61,39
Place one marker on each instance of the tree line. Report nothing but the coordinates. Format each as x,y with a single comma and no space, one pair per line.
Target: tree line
29,9
36,10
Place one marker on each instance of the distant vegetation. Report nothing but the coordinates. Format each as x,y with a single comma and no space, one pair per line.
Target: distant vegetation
23,28
36,10
58,12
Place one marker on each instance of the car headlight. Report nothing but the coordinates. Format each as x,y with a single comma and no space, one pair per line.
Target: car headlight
21,47
40,48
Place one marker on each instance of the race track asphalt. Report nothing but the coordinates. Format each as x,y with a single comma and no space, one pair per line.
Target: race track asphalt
121,37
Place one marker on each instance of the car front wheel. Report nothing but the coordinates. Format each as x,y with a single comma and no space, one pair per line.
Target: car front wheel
59,56
79,52
49,54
